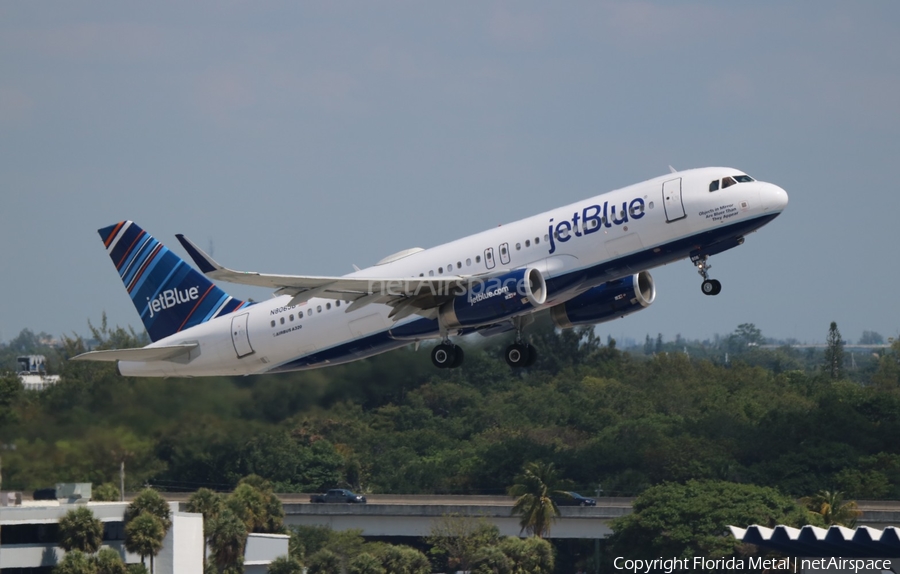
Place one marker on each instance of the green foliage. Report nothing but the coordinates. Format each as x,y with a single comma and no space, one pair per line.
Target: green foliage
832,507
149,501
208,503
323,562
456,539
834,354
76,562
228,535
404,560
136,569
534,492
365,563
144,535
257,506
686,520
106,492
285,565
80,530
109,561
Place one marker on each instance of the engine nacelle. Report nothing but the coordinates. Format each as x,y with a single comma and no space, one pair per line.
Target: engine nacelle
606,302
490,300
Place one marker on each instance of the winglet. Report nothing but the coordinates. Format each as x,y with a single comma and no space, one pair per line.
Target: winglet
672,169
206,263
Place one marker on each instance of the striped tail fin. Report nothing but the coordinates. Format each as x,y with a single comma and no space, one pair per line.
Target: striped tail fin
169,295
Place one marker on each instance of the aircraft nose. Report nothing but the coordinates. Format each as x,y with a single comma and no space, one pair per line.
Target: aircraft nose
773,197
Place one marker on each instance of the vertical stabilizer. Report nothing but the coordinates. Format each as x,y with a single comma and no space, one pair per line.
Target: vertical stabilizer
169,295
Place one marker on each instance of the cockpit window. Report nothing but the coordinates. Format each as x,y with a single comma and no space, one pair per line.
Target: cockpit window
743,178
714,185
727,181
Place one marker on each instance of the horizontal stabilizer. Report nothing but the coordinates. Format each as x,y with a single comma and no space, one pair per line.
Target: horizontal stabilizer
145,354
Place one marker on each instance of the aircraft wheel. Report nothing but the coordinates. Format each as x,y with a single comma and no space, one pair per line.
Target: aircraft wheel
711,287
532,355
516,355
443,355
460,356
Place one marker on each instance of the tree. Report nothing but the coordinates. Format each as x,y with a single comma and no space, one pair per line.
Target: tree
323,562
257,506
149,501
285,565
533,555
686,520
871,338
365,563
832,507
534,490
108,561
458,538
404,560
106,492
144,536
227,538
80,530
76,562
834,354
210,504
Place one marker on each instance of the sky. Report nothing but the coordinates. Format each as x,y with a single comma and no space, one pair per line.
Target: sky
306,137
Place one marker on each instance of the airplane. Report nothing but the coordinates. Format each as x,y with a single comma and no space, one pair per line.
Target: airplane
586,263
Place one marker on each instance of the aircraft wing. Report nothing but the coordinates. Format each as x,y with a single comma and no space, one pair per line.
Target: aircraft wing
408,295
144,354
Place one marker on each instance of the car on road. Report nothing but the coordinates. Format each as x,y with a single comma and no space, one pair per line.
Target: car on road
573,499
339,495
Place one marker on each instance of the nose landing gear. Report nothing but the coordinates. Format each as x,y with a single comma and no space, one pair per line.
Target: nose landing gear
709,286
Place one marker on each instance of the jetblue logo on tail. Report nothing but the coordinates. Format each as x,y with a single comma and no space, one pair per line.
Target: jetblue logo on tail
170,298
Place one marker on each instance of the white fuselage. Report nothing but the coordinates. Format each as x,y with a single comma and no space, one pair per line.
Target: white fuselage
645,225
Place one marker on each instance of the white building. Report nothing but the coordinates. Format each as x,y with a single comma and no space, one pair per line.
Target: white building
29,534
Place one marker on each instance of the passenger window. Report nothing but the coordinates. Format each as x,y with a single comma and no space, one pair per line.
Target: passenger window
546,237
273,322
337,303
518,247
281,321
537,240
291,318
478,259
318,308
468,262
328,305
431,273
309,312
714,185
450,268
440,270
727,181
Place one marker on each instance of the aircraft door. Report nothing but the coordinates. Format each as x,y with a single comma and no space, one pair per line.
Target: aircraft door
504,253
239,336
489,258
672,200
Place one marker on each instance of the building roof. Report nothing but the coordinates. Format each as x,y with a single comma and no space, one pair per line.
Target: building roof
812,541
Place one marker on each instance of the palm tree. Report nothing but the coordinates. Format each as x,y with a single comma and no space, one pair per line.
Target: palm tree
108,561
227,538
833,508
210,505
144,536
75,562
534,490
286,565
80,530
150,501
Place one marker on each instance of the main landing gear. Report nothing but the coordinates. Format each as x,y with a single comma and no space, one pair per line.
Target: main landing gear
709,286
447,355
520,355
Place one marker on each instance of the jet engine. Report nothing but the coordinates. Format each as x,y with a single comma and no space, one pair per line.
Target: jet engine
490,300
606,302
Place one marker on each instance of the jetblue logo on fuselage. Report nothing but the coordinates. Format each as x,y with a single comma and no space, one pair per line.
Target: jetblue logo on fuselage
592,218
170,298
